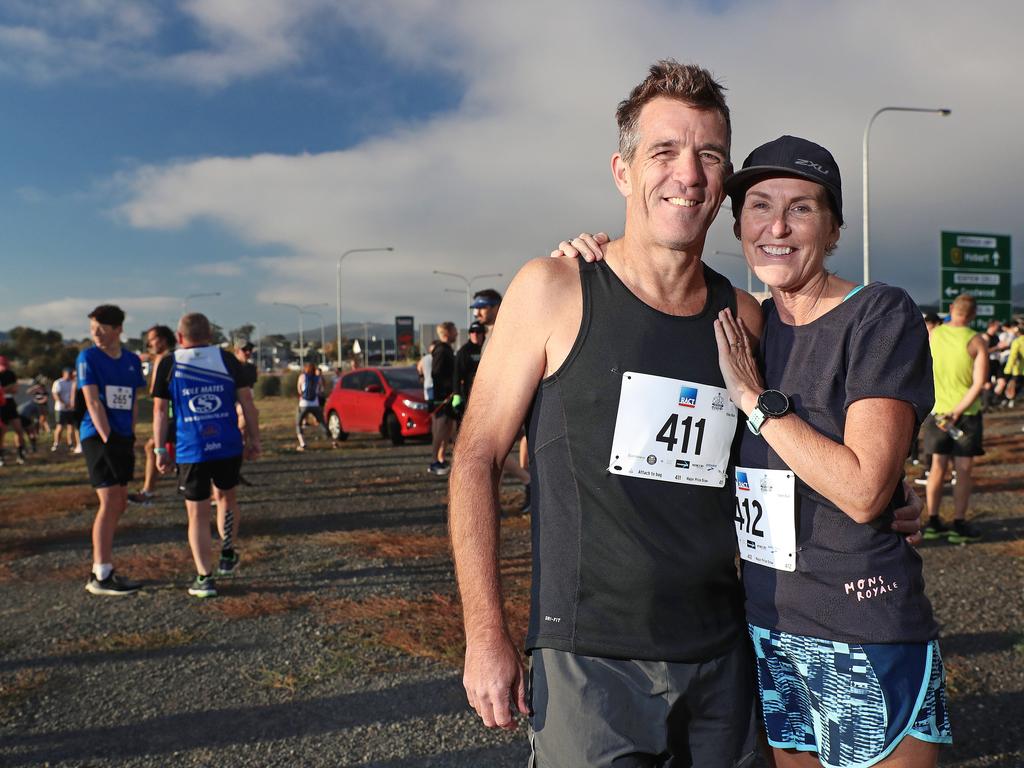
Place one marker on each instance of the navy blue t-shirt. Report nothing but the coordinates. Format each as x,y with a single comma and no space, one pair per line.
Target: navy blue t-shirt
854,582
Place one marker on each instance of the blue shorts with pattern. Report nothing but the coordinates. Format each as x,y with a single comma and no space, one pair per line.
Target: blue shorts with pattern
851,704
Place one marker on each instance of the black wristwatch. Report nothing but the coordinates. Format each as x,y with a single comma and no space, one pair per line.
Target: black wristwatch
771,404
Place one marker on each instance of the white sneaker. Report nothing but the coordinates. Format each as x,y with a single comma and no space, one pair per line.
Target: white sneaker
78,449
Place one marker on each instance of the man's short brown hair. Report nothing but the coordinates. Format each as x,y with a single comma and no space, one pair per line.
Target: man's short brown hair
195,327
964,304
688,83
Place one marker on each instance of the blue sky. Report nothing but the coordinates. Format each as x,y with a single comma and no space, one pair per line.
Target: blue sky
159,149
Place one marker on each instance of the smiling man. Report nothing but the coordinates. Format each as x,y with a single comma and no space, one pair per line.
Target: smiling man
204,382
636,636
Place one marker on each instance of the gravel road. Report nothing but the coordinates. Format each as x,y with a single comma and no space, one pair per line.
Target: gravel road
338,643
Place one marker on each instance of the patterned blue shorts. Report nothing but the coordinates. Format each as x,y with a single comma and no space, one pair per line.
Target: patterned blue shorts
852,704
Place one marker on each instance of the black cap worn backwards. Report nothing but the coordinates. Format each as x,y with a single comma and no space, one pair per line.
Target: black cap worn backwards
788,156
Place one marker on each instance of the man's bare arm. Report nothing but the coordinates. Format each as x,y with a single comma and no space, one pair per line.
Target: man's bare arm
252,422
541,310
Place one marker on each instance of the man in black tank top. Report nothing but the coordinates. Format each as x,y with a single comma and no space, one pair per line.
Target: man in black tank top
639,654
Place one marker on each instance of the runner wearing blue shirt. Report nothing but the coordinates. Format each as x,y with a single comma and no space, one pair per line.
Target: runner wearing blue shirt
204,382
109,378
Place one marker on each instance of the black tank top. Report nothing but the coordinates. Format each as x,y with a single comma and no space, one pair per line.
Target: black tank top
625,567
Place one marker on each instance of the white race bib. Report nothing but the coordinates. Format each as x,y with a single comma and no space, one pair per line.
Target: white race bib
766,517
672,430
119,398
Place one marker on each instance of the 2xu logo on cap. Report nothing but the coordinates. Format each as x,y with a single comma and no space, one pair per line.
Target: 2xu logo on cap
688,397
813,165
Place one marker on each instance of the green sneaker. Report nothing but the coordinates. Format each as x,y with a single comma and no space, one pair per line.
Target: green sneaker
203,586
963,533
934,529
228,565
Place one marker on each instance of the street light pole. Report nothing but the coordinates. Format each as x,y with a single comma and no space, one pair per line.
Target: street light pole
184,302
867,133
468,281
301,310
338,284
320,317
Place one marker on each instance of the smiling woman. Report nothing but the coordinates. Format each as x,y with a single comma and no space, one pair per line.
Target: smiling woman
835,601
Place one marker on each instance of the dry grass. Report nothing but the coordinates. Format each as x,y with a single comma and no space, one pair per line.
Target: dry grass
254,605
124,642
45,504
1013,548
388,545
18,686
430,626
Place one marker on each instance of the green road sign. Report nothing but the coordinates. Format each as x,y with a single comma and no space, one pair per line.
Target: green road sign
978,265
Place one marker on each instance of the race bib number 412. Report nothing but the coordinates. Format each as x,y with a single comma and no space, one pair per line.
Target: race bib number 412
672,430
765,517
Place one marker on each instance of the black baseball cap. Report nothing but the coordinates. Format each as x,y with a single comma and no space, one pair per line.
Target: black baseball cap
788,156
248,347
477,327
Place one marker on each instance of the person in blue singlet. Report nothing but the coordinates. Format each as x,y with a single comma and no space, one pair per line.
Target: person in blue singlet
311,389
847,658
109,377
204,382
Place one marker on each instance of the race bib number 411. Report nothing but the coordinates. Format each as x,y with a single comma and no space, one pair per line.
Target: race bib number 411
672,430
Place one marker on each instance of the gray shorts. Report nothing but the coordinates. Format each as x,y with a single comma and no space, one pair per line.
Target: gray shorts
590,711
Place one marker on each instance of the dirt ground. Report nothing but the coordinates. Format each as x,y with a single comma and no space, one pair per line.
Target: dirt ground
339,643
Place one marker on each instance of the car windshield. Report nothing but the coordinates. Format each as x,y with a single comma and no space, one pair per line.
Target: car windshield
401,378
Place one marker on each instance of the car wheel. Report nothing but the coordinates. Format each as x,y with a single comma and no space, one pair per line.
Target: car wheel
394,431
334,426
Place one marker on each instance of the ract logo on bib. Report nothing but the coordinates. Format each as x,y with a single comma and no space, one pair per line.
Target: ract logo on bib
688,397
204,404
741,481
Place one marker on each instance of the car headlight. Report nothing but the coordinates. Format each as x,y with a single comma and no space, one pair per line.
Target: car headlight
415,405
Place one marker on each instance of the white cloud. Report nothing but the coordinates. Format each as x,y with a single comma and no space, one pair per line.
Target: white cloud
69,315
523,161
47,40
218,269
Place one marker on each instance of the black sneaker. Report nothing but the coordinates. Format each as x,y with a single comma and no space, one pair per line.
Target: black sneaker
203,586
228,565
440,468
142,498
963,533
113,585
934,529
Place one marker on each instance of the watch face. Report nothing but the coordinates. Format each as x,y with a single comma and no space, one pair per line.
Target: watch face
773,402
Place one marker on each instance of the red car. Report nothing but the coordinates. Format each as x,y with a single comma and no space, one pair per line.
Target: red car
385,400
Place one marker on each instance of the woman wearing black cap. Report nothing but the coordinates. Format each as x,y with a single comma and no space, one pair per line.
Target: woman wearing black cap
848,664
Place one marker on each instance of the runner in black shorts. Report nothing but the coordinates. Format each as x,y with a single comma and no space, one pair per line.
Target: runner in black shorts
109,377
9,411
203,382
159,342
